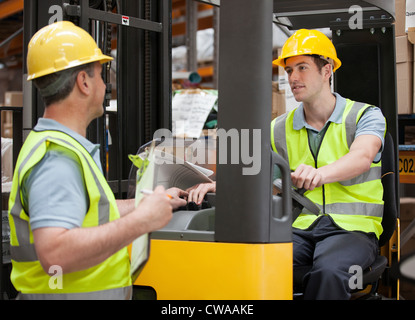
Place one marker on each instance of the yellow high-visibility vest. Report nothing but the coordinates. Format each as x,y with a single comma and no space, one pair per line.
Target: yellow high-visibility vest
108,280
355,204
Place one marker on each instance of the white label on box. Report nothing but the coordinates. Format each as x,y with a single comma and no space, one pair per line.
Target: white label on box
282,82
410,14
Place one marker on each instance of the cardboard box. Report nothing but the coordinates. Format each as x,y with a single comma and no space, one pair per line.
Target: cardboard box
409,15
404,83
13,99
400,17
404,49
278,100
411,39
404,74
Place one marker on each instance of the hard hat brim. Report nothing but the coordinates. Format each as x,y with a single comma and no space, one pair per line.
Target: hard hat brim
281,61
100,58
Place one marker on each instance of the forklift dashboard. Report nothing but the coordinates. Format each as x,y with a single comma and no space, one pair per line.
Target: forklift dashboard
191,222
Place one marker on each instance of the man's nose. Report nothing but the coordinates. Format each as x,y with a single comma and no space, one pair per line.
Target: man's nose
293,76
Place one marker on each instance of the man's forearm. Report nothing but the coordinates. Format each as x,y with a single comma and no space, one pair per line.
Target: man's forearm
125,206
81,248
356,162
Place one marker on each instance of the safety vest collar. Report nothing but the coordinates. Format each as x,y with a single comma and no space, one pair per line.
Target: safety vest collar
299,121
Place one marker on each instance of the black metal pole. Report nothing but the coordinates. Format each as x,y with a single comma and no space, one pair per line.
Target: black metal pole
243,199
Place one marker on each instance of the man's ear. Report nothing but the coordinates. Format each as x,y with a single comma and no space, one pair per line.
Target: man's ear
82,81
328,70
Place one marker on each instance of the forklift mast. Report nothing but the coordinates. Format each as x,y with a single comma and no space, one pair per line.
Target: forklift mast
142,66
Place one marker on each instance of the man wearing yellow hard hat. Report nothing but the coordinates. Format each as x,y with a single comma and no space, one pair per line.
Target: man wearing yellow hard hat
68,232
333,146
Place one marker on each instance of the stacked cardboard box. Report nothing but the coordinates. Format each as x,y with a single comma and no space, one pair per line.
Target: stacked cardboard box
404,61
11,99
278,90
404,74
278,100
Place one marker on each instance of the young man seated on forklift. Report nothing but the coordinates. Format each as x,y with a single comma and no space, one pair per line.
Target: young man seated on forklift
333,146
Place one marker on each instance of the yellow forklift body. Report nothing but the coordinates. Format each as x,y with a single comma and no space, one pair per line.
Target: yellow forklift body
192,270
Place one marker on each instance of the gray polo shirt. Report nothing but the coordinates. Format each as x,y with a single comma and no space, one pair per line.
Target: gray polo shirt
54,190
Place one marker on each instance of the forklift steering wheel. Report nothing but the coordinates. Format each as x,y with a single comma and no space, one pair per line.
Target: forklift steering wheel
299,200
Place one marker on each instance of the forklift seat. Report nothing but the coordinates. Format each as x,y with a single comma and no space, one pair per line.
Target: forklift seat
372,274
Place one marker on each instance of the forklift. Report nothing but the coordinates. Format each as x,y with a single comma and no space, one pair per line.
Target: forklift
241,247
243,250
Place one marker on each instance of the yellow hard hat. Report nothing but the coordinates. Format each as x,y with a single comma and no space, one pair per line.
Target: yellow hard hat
309,42
61,46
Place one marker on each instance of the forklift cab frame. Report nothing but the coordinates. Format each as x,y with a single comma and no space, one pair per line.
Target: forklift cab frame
246,253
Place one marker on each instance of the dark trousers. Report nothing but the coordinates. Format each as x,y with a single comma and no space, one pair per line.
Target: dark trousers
331,251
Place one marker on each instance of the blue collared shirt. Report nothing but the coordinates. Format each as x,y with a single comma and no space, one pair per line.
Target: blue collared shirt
54,191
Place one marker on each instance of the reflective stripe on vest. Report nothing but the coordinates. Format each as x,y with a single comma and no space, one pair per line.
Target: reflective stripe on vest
111,294
342,200
94,282
26,251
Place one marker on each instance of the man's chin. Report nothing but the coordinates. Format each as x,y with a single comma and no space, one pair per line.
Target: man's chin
298,98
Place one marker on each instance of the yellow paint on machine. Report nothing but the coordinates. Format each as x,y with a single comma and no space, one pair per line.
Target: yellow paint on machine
192,270
407,166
